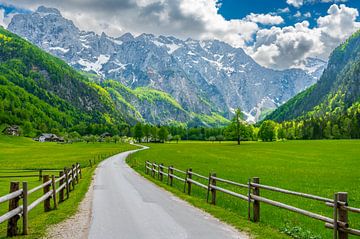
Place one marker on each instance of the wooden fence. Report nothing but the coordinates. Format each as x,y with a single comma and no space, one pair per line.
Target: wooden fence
338,222
54,188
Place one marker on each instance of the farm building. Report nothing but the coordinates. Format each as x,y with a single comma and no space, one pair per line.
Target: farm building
49,138
13,130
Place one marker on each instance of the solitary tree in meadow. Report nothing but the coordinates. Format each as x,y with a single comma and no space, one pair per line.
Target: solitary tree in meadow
238,120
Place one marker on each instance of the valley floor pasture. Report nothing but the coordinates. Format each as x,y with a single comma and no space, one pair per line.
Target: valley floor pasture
18,156
316,167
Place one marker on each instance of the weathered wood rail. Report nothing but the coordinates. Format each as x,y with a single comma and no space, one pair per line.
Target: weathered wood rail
338,222
54,189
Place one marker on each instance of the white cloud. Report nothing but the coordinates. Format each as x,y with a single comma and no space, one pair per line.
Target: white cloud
286,47
295,3
283,10
197,19
266,19
297,14
307,14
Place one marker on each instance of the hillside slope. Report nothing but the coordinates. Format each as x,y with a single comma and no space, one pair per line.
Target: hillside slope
337,91
43,92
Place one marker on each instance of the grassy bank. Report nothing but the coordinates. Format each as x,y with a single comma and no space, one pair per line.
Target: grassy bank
18,154
317,167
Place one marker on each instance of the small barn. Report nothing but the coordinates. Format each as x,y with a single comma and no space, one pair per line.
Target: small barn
13,130
49,138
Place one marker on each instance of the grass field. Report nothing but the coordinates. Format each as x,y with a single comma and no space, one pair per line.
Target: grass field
317,167
18,154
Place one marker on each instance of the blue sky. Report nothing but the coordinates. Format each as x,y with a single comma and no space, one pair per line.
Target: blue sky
238,9
279,34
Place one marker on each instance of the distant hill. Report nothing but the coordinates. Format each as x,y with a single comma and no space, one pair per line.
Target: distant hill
336,94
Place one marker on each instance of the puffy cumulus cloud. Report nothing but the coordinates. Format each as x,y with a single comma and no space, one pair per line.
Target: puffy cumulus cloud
289,46
286,47
197,19
338,25
295,3
276,47
266,19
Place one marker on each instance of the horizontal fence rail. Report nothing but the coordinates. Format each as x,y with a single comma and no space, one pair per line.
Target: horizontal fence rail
52,187
338,222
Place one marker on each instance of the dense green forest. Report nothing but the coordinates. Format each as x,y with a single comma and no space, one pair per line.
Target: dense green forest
42,93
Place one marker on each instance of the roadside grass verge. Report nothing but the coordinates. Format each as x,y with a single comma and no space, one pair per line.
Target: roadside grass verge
316,167
19,153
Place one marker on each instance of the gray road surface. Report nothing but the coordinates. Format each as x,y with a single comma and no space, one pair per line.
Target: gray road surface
125,205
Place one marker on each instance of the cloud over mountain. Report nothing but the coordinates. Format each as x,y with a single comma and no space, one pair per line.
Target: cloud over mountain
258,33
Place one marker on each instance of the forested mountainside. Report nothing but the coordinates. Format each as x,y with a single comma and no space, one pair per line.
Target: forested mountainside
204,77
41,92
330,108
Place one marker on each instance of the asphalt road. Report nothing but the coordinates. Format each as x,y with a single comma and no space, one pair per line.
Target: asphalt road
125,205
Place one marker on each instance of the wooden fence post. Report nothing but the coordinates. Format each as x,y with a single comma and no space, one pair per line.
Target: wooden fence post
256,205
161,172
76,173
25,208
90,163
146,169
158,171
46,178
40,174
67,187
335,215
208,189
153,170
12,228
72,178
213,190
189,176
61,193
249,199
53,185
79,169
343,214
171,171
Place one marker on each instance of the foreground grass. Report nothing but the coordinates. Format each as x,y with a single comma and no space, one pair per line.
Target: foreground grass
22,153
317,167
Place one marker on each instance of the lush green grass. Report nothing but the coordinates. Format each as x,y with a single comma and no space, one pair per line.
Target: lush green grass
23,153
317,167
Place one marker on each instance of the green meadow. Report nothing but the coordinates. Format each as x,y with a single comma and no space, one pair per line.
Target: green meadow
18,155
317,167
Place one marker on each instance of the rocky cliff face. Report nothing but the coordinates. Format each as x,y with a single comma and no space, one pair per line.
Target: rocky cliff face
202,76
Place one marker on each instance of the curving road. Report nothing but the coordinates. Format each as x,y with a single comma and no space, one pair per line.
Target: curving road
127,206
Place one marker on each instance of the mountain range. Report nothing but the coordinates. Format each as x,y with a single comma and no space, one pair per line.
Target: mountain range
161,79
